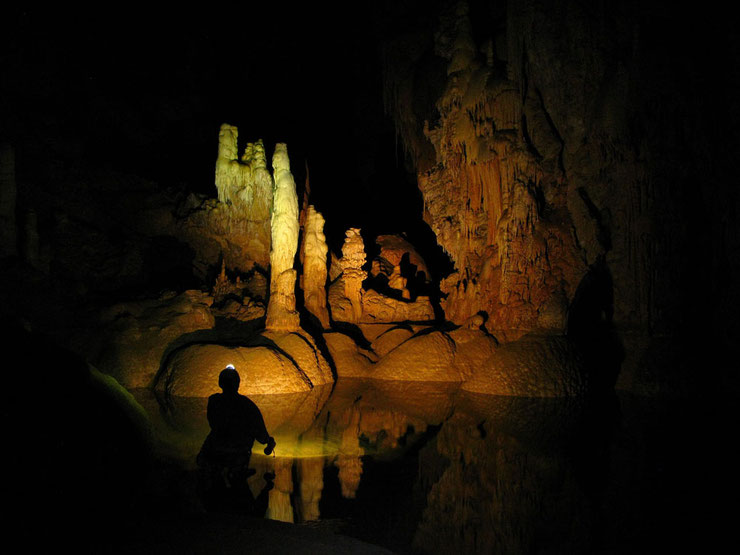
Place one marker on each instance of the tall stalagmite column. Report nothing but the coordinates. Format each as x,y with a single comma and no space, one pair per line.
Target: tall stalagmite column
353,258
281,312
313,259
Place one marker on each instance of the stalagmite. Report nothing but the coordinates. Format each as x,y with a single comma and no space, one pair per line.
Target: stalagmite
353,258
281,312
241,219
230,175
313,259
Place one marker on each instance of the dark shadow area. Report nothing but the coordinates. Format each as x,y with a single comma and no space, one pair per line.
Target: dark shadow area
590,325
77,452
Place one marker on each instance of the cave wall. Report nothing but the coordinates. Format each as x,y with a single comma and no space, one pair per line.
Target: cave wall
557,140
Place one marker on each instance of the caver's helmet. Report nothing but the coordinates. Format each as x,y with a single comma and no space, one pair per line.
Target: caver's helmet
228,379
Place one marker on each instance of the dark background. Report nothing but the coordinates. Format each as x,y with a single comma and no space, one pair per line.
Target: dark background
144,91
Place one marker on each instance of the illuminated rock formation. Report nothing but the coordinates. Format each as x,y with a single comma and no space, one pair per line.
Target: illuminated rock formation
313,259
349,359
377,307
533,366
345,295
133,337
497,204
398,282
426,357
351,303
237,227
275,363
281,312
395,250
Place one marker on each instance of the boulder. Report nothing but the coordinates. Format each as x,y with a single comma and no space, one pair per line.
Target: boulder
273,363
424,357
533,366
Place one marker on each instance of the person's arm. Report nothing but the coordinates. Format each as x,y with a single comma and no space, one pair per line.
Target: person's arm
260,430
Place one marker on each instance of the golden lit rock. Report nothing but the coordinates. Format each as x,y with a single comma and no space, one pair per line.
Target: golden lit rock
281,310
313,259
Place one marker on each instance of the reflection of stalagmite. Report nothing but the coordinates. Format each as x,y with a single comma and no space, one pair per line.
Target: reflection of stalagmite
281,312
313,259
311,483
279,506
348,461
350,472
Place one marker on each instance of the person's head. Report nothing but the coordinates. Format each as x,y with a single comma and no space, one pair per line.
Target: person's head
228,379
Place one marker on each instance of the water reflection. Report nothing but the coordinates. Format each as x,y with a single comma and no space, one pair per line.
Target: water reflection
425,466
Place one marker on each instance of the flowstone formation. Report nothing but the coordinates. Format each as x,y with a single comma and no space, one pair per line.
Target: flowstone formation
281,311
494,189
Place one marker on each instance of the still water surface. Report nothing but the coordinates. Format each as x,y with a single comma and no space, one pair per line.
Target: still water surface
428,468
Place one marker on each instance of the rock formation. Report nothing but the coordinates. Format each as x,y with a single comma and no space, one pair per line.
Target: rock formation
313,261
245,191
351,303
271,363
132,338
346,293
281,311
395,250
497,205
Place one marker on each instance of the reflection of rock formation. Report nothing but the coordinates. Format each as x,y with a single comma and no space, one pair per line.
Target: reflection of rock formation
310,475
281,312
498,479
279,505
313,261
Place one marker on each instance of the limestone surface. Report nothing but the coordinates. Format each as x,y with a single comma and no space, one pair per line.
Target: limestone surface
425,357
533,366
133,337
277,363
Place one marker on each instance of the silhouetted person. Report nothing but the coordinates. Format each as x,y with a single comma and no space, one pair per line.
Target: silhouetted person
236,422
